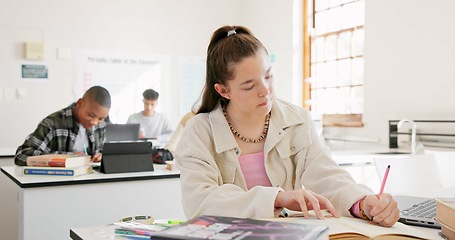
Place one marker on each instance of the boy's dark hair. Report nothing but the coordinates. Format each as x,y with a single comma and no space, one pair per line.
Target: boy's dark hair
99,95
150,94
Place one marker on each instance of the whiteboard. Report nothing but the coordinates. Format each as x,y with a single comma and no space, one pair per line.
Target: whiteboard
125,75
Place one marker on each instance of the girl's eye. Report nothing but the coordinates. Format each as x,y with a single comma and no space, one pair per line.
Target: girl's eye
249,87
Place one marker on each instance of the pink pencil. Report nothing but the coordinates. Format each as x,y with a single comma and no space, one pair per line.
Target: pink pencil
384,180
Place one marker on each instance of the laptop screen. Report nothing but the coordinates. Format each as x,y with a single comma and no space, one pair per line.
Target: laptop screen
122,132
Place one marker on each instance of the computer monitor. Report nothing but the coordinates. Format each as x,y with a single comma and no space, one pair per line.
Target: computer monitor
122,132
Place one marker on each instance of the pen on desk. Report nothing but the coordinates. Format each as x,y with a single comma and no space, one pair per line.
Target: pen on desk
85,149
176,221
285,214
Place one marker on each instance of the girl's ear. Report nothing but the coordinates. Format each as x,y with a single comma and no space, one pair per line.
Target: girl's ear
222,90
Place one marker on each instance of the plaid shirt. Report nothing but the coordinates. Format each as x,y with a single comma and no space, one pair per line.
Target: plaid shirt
57,134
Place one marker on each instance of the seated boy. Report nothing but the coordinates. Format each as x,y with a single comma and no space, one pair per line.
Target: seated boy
153,124
76,129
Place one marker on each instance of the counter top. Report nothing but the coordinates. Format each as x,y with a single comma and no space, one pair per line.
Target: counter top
366,156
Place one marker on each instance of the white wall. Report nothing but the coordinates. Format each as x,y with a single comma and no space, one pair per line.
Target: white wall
408,69
174,27
271,22
409,64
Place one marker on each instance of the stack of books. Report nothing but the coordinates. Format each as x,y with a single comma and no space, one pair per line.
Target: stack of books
445,215
57,165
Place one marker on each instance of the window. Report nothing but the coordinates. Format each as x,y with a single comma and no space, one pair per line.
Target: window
333,57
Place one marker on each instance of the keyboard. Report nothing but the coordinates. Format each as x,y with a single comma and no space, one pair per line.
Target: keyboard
425,209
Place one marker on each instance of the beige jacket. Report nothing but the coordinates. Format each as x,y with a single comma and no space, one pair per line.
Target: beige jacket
171,144
212,182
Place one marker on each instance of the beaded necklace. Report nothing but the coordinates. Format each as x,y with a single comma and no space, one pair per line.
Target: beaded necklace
248,140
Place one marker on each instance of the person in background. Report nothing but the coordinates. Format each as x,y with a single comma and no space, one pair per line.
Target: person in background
76,129
249,154
152,123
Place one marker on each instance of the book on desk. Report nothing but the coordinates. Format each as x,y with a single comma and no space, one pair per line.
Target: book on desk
445,215
57,171
63,165
217,227
58,160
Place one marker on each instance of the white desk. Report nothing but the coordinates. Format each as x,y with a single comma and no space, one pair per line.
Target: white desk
47,207
7,152
107,232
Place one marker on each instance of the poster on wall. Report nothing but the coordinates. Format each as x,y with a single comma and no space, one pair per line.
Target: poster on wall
125,75
192,81
35,72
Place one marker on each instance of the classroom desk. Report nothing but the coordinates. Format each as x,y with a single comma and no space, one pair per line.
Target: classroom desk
7,152
107,232
47,207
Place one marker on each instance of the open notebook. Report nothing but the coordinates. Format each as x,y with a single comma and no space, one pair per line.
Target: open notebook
355,228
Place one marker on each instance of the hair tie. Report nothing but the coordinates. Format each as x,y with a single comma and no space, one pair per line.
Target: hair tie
231,32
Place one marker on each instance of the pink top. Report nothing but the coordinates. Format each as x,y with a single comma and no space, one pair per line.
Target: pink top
253,169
